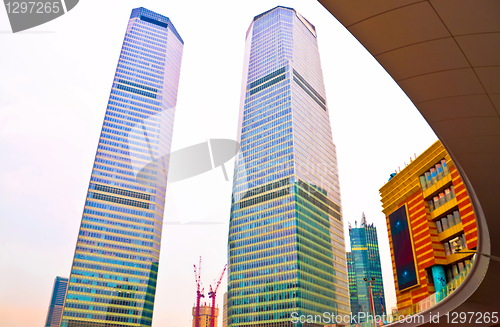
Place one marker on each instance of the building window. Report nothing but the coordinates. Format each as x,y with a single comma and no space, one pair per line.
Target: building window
434,174
443,197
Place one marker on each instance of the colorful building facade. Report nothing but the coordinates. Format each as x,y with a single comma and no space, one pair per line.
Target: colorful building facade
286,239
430,220
114,271
365,271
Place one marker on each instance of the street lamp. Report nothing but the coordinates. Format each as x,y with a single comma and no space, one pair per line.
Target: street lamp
372,304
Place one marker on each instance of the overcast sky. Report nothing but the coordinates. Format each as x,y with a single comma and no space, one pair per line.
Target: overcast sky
55,81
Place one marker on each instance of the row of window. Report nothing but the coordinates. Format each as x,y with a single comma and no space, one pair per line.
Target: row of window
264,140
270,177
448,221
233,260
143,121
252,109
280,156
123,263
118,231
147,45
96,308
264,288
124,58
120,219
115,170
456,244
103,236
130,150
246,139
120,270
116,128
138,74
107,276
137,91
270,169
267,261
434,174
132,68
106,206
131,138
121,291
125,302
142,36
137,126
146,29
122,224
119,191
279,111
110,254
254,247
131,55
285,273
126,319
257,301
126,154
120,183
258,211
256,101
102,291
260,126
442,198
251,170
115,199
107,245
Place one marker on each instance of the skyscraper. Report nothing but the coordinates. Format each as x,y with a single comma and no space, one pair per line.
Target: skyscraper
364,264
114,271
286,243
56,302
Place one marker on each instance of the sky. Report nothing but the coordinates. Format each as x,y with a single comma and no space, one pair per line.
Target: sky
55,81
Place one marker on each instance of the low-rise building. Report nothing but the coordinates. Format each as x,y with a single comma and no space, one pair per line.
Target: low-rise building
430,222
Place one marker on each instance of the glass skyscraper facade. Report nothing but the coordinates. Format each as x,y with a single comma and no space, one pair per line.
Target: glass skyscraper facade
364,262
114,271
56,302
286,239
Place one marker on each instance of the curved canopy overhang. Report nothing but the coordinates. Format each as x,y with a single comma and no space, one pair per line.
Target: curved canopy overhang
445,55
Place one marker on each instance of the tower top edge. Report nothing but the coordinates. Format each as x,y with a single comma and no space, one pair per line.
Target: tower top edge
308,24
144,12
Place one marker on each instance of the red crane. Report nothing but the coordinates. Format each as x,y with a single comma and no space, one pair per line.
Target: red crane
199,293
212,294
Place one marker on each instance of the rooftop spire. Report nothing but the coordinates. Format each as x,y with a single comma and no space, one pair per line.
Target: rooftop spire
363,220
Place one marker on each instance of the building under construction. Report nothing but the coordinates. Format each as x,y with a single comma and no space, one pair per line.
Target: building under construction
205,315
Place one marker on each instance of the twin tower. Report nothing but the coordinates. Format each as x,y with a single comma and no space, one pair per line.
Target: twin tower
286,244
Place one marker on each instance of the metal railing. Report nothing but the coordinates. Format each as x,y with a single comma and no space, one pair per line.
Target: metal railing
432,299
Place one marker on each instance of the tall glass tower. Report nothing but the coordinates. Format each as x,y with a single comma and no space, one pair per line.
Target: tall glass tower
114,271
56,302
286,244
364,262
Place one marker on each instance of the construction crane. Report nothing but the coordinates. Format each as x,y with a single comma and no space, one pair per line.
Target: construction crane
199,293
212,294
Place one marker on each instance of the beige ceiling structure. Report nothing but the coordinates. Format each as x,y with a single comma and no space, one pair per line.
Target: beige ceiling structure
445,55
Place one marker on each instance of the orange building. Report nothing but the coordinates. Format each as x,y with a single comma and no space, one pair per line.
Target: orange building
430,221
205,315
